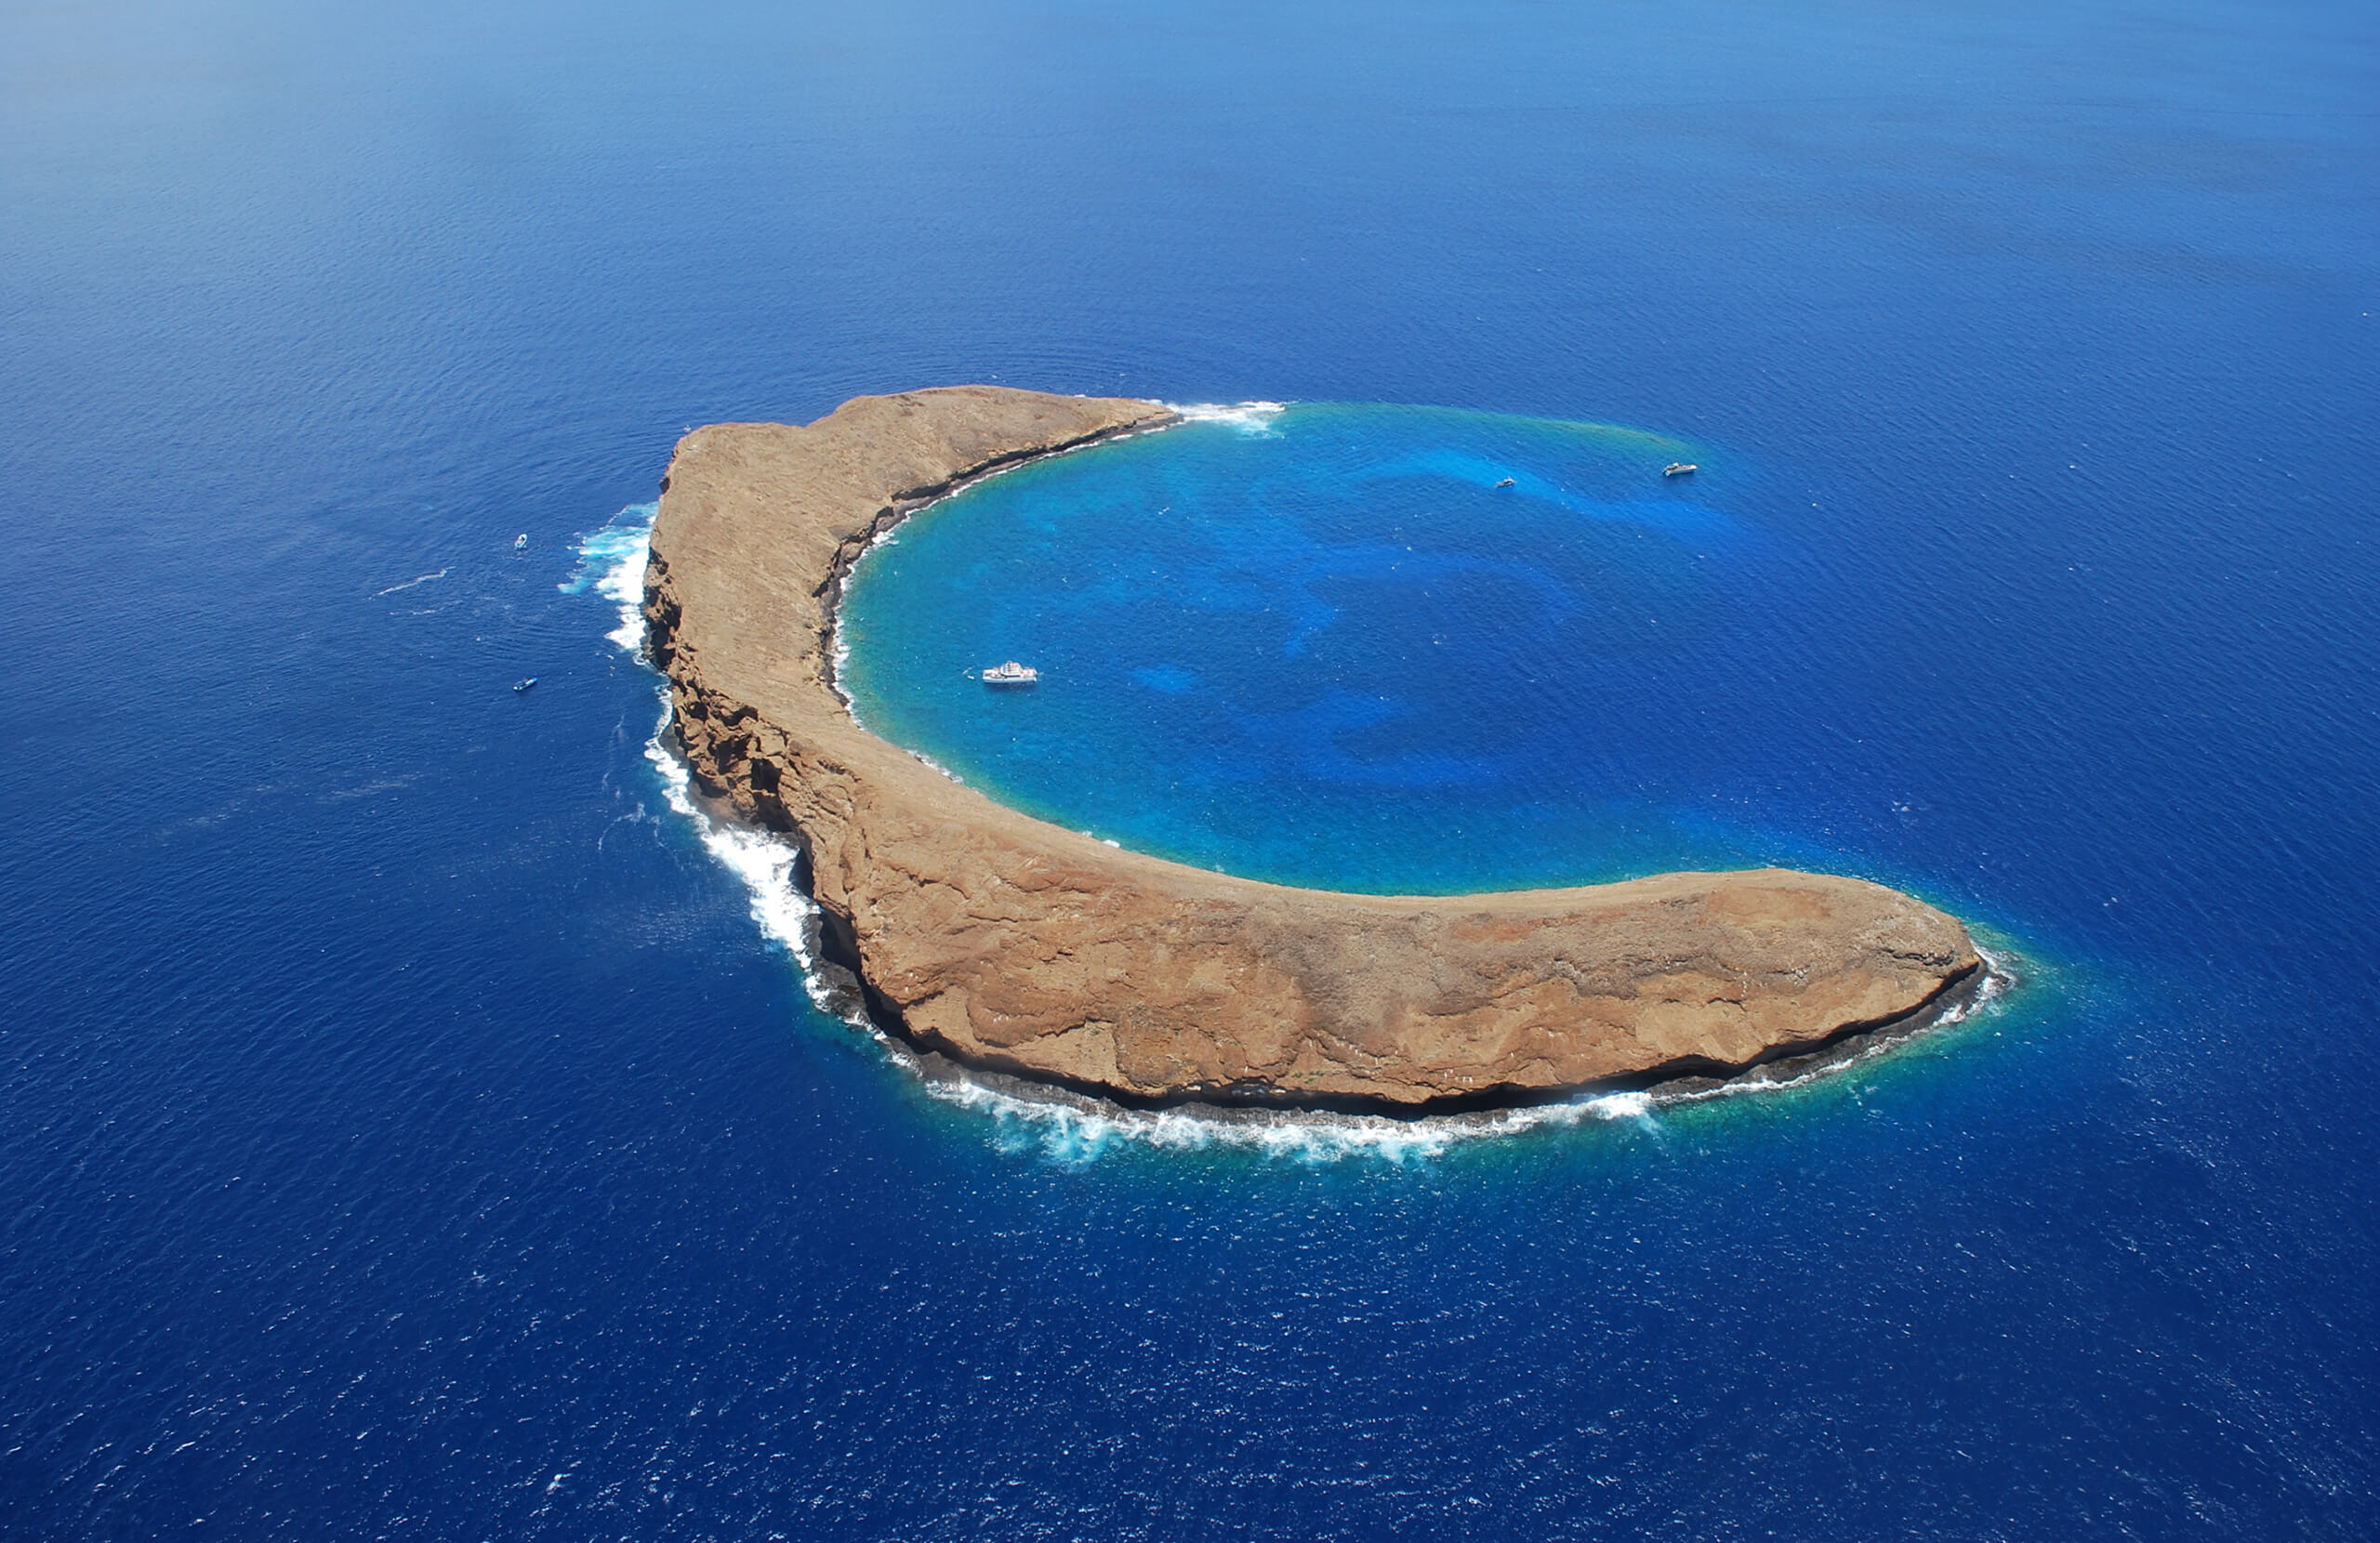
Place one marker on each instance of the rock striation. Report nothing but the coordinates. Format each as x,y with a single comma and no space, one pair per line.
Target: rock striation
1011,943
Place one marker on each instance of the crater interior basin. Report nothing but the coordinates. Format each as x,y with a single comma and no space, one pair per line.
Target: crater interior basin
1386,649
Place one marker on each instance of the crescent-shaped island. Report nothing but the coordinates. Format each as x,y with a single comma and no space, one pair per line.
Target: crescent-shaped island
1009,943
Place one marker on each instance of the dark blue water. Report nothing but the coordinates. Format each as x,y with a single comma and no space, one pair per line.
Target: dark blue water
409,1129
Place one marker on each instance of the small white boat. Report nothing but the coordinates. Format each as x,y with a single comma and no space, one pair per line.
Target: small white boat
1680,469
1505,484
1011,674
524,684
521,542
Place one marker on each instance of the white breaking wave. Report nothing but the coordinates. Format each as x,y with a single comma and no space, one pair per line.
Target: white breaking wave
1250,417
1077,1130
611,561
765,864
1060,1126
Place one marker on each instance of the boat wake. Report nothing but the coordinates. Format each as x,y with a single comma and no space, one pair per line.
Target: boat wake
426,578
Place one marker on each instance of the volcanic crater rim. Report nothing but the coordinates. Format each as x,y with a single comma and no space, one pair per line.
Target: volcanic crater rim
1015,945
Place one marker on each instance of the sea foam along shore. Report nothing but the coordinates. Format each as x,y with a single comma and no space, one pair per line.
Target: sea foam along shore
1253,417
1067,1126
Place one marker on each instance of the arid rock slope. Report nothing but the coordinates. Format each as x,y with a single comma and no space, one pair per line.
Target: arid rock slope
1011,943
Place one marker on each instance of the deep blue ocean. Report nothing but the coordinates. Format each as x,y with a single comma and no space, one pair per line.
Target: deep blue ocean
415,1121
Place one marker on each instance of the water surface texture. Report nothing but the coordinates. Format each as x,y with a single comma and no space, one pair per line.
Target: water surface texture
415,1121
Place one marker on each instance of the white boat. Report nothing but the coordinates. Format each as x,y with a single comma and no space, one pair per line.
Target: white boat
1680,469
1011,674
521,542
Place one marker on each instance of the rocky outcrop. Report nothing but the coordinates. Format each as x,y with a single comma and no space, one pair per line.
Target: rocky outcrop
1011,943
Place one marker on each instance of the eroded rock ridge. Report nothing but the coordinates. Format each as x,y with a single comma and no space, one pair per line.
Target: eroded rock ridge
1008,942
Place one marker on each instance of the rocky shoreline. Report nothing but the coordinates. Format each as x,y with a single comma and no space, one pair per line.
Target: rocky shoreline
1008,943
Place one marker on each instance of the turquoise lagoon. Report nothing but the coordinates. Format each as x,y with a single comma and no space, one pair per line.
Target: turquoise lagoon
1384,648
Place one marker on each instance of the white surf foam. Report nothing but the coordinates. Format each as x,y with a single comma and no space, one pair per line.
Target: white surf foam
1249,417
1077,1131
765,864
610,562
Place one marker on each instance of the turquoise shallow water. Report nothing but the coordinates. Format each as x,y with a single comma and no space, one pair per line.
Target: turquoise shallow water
1326,644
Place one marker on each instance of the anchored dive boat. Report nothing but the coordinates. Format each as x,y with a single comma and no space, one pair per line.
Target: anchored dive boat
1011,674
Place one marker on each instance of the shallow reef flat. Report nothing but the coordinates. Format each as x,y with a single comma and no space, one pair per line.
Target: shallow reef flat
1006,943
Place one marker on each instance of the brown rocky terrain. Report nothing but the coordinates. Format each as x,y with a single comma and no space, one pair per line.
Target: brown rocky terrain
1008,943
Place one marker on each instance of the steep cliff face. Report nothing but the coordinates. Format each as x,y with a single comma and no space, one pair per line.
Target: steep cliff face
1008,942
